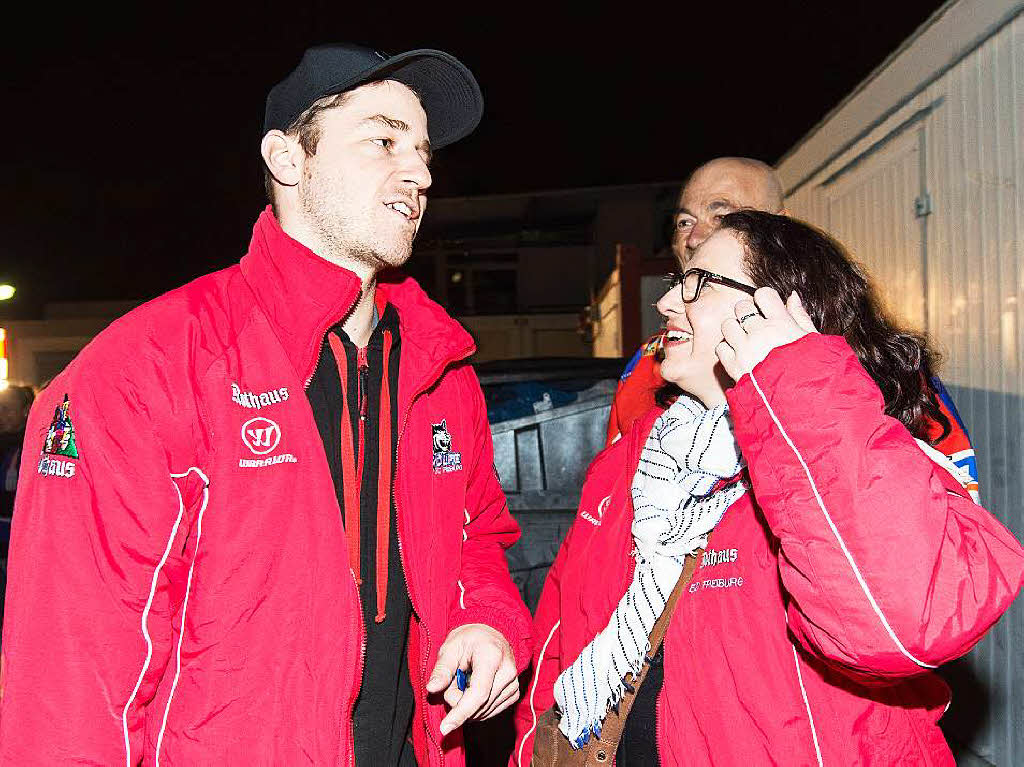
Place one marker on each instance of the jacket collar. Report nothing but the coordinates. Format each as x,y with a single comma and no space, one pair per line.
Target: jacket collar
303,295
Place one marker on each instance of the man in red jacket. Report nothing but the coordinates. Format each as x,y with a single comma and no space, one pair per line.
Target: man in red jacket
209,567
718,187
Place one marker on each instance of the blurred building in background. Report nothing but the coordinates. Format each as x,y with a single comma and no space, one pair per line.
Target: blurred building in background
36,350
522,271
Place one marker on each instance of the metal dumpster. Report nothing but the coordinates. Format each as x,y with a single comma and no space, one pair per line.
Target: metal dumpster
542,457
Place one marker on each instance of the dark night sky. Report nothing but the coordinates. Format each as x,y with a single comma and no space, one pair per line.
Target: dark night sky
131,146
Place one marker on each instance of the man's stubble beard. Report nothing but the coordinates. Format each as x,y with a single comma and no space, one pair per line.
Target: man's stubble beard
341,238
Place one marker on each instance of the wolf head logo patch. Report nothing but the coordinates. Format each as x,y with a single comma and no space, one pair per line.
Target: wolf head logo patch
445,459
60,437
442,439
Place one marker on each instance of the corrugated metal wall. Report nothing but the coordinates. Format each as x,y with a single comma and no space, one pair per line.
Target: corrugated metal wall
957,269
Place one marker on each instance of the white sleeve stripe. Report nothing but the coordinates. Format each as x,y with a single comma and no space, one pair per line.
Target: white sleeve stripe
807,705
462,595
184,606
536,681
835,532
145,629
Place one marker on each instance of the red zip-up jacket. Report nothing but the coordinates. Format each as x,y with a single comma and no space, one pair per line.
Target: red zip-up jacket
179,589
852,566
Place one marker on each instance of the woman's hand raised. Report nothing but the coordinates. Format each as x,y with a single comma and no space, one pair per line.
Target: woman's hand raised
752,334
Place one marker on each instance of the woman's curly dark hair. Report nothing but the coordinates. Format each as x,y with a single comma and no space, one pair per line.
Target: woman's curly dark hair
787,254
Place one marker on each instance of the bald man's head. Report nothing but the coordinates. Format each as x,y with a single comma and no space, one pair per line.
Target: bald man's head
718,187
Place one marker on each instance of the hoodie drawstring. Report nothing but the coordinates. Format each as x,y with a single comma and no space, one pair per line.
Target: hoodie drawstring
384,485
352,467
351,477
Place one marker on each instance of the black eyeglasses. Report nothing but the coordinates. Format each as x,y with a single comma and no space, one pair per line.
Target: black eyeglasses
694,280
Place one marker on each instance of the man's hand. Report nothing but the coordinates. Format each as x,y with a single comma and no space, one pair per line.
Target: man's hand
749,337
493,686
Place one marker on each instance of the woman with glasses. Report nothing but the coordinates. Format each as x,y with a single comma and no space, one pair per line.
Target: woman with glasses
836,557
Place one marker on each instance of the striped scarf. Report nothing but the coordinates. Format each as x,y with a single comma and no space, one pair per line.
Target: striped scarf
689,451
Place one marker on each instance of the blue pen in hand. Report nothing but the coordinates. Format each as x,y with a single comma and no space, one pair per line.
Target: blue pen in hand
462,679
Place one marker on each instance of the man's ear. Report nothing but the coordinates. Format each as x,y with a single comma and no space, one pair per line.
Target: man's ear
283,157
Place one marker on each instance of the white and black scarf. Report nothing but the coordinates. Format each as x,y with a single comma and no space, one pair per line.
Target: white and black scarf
689,451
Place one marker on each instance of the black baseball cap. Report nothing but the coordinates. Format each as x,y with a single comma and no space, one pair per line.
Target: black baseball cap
447,89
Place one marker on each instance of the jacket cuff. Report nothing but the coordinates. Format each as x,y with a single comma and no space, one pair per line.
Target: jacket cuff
504,623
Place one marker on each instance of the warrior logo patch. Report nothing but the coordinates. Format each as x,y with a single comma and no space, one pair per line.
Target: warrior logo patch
261,435
445,460
60,438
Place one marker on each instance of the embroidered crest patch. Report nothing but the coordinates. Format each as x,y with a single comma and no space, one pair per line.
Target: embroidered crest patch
445,460
60,437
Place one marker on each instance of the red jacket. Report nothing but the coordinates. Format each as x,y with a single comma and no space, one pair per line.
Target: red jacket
825,595
180,590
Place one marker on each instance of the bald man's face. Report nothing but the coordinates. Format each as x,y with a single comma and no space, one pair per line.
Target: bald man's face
711,193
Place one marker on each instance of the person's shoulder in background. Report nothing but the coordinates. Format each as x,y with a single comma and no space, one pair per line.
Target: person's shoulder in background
637,386
957,444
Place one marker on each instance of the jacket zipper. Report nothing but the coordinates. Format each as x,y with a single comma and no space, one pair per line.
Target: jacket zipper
425,651
323,335
657,702
359,676
363,364
657,714
364,368
316,357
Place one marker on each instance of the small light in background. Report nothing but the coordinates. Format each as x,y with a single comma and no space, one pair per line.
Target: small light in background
3,359
6,292
456,277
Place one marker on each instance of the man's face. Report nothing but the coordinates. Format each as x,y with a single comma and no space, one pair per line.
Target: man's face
718,188
362,194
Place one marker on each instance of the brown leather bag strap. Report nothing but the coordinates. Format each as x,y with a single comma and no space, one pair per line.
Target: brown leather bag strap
602,751
661,625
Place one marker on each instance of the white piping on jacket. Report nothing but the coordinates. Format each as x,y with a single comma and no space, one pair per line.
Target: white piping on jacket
145,631
465,537
188,589
536,681
835,532
807,703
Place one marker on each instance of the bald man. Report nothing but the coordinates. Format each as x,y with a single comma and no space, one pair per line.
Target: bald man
716,188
